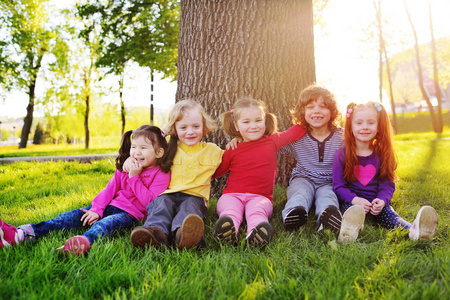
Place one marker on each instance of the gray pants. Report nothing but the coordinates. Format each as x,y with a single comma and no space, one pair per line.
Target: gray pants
304,192
168,211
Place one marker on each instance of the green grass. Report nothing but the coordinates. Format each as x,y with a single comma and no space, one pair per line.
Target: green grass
382,264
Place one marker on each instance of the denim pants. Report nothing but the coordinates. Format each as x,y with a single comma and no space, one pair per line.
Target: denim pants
304,192
168,211
113,219
387,218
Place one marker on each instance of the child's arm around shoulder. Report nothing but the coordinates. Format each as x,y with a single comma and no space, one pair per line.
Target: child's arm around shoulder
292,134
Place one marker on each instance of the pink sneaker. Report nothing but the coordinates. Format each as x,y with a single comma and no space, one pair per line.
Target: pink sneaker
8,235
77,245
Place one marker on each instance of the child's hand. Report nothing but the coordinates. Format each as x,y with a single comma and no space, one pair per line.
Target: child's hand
233,144
127,165
377,206
363,202
135,169
89,217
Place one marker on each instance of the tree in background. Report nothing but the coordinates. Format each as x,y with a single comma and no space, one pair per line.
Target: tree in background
26,37
262,49
437,87
38,135
420,72
382,50
145,32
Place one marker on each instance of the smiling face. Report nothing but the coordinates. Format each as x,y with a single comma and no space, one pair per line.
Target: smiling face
364,124
142,152
190,128
251,123
317,114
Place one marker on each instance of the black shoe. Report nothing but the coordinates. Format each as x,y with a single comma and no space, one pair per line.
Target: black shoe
225,230
331,218
295,218
260,235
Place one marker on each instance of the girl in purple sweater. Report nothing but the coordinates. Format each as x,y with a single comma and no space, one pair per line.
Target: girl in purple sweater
122,203
363,176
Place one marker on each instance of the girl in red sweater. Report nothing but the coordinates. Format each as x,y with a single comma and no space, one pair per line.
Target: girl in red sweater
252,168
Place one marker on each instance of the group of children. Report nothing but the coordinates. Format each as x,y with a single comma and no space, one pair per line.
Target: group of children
167,184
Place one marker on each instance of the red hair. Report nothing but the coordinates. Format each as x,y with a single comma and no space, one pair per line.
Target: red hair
382,144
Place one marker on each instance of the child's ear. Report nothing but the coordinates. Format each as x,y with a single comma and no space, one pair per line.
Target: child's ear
236,127
159,153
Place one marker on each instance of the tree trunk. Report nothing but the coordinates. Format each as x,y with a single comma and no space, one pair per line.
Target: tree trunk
388,69
122,104
28,120
262,49
86,123
420,73
437,87
391,92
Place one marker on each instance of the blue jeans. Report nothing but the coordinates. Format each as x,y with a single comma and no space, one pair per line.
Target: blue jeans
304,192
113,219
387,218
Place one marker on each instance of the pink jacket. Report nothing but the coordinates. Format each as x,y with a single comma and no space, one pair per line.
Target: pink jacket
132,194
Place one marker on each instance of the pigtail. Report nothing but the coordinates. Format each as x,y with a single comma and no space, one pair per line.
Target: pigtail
169,154
228,124
124,150
271,124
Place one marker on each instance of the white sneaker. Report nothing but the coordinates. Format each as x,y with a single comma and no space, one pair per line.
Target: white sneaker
424,225
352,222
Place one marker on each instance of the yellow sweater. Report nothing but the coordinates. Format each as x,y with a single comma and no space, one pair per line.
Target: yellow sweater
193,167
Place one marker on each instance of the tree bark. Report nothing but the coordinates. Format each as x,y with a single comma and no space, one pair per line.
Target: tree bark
262,49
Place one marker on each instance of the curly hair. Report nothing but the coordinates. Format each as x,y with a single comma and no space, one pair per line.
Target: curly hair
310,94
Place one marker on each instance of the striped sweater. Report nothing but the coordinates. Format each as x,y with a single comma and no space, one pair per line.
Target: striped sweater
315,158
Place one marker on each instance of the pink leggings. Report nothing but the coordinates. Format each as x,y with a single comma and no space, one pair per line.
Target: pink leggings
257,209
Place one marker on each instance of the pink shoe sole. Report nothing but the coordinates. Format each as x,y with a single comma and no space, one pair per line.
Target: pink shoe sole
77,246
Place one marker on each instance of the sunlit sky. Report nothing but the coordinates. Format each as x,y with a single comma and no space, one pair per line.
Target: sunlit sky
346,63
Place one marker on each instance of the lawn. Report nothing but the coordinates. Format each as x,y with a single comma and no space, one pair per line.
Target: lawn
382,264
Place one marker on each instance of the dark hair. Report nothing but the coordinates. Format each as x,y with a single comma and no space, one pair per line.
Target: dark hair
155,136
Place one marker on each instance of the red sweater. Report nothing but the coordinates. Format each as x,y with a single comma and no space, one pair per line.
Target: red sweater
253,165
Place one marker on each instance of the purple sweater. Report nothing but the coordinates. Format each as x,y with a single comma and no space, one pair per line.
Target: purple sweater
132,194
368,186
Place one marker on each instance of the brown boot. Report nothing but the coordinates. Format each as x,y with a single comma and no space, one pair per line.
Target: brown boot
148,236
190,233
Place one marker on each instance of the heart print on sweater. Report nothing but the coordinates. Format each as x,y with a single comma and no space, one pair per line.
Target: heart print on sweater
364,174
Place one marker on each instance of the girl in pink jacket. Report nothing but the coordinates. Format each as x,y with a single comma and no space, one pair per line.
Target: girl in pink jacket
122,203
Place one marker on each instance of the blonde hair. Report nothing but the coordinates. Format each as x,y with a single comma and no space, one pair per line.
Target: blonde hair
229,118
310,94
177,113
